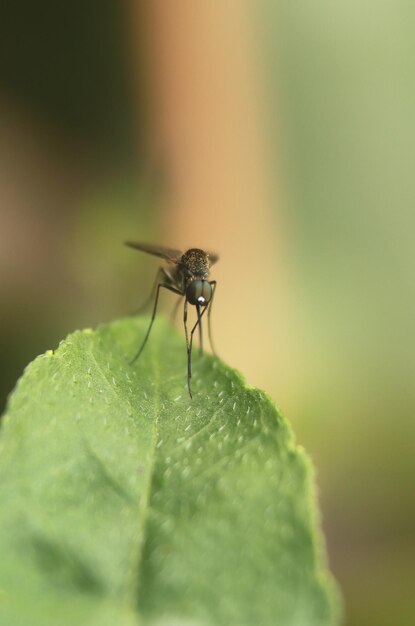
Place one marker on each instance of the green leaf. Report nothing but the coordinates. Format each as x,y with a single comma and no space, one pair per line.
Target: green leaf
123,502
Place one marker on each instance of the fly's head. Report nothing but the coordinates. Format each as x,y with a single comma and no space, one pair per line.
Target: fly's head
199,292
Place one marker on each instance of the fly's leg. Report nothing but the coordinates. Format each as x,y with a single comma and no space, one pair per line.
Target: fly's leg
147,301
213,284
159,285
189,344
188,348
174,311
198,323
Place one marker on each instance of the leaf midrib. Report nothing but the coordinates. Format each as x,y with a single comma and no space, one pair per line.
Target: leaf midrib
133,577
133,587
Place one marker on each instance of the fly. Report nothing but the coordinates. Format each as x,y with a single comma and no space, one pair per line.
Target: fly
186,274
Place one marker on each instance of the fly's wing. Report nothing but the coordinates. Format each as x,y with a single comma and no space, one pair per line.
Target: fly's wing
213,257
173,256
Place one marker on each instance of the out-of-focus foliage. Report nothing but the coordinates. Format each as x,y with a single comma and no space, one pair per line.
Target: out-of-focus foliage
124,501
68,127
67,63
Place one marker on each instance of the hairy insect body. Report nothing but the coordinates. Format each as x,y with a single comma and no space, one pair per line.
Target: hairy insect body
194,264
187,274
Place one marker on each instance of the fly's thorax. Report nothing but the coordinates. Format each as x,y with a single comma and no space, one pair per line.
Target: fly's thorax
195,263
175,277
198,291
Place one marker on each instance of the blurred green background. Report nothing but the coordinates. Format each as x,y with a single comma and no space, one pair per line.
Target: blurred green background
280,134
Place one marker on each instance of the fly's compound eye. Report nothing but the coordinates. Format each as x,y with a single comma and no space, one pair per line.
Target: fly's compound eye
199,292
